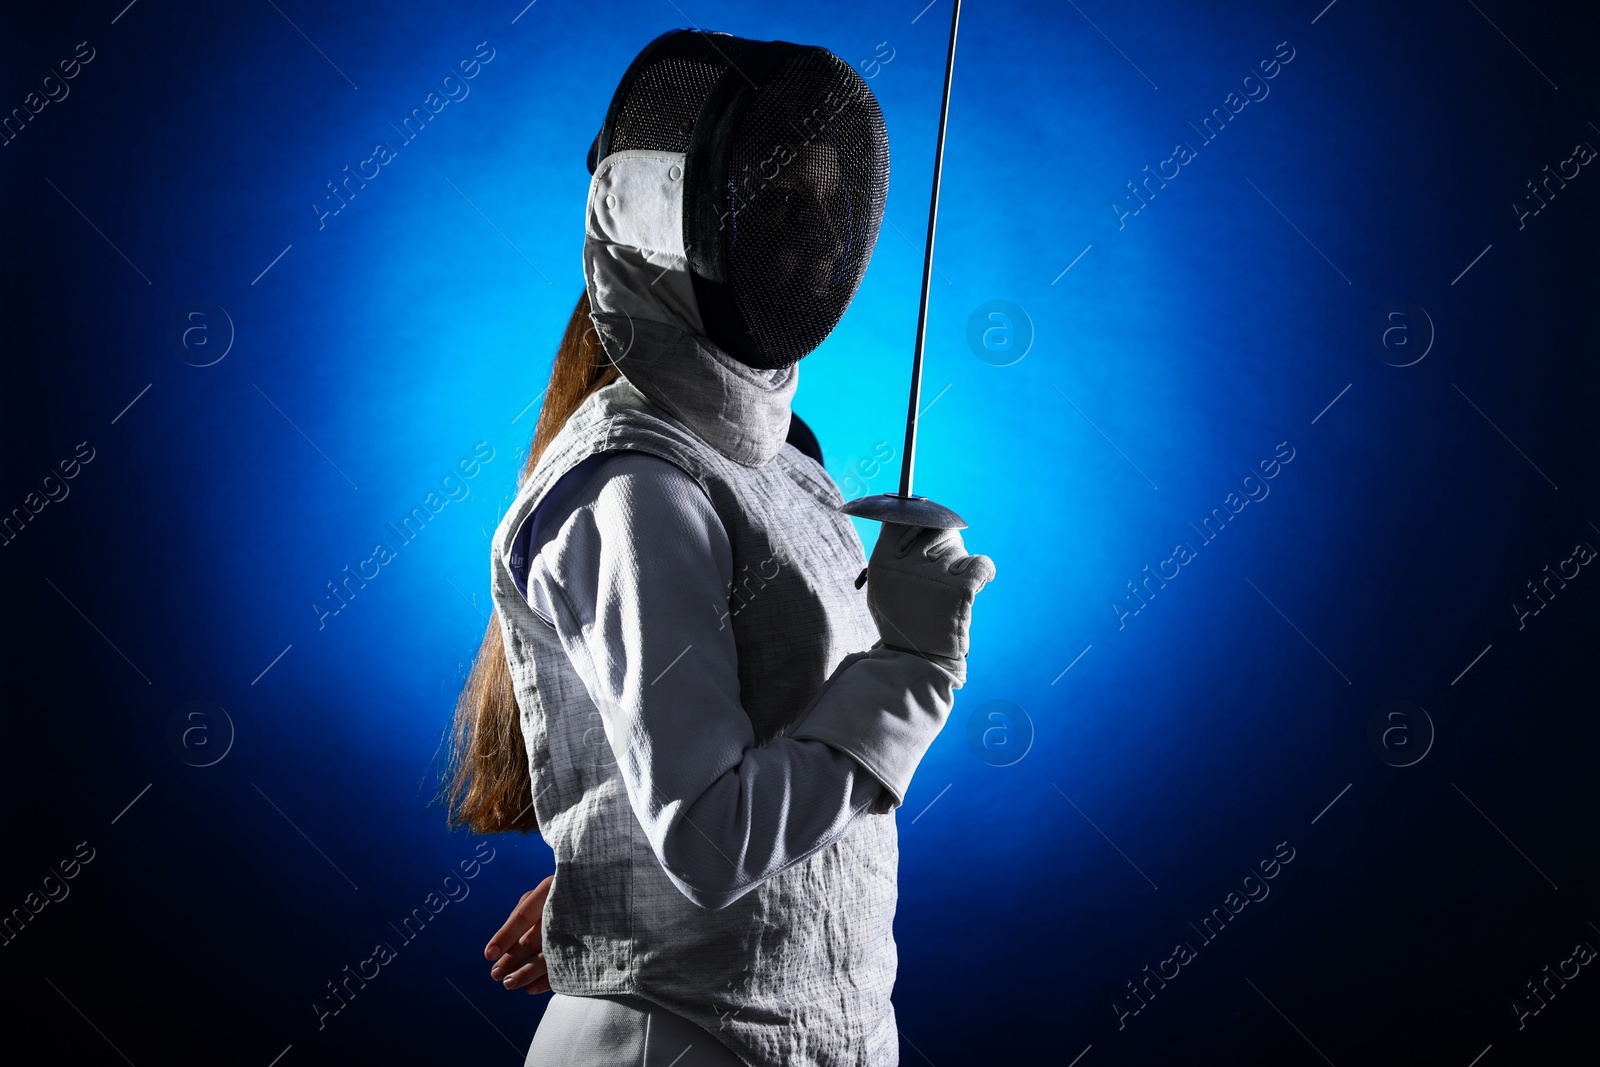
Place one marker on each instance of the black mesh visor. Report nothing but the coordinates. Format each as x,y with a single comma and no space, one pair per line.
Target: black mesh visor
806,177
787,168
664,91
658,110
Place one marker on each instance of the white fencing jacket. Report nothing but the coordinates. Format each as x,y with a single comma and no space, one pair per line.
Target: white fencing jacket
720,814
717,740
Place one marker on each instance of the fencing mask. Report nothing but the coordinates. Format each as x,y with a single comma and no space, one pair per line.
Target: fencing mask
784,176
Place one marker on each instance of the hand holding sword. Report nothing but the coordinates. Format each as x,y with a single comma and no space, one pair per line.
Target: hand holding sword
920,580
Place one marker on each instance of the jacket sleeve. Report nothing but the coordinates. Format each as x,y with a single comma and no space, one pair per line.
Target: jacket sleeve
633,573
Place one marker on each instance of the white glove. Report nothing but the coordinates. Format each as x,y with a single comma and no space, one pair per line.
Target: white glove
886,705
920,587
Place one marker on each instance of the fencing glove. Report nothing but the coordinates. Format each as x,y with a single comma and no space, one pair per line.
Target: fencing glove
886,705
920,586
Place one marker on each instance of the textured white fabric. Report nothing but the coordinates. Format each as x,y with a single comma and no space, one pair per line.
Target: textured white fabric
646,626
633,257
645,315
798,970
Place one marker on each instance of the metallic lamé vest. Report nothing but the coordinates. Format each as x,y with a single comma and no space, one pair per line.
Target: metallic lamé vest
799,970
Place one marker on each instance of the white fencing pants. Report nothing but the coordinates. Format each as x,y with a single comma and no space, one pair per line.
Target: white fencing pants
621,1031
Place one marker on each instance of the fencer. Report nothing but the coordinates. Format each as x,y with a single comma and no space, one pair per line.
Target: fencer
682,687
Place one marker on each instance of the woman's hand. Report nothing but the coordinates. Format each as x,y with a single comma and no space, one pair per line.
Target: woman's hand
920,585
515,949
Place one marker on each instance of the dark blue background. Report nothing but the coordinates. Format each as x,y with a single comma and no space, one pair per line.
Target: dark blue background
1181,748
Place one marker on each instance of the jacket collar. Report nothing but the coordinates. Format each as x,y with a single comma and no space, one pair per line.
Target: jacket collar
642,301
